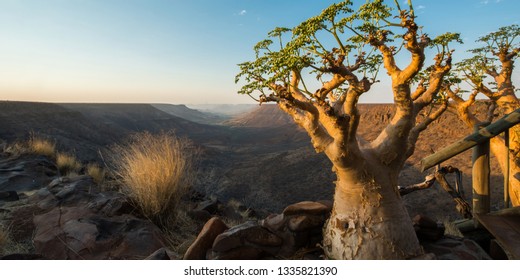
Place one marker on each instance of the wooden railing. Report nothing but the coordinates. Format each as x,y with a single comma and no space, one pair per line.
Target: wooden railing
479,141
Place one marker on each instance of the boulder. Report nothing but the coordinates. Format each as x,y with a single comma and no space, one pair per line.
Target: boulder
274,222
205,239
162,254
307,208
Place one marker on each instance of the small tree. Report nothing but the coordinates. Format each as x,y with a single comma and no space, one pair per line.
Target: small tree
344,49
489,72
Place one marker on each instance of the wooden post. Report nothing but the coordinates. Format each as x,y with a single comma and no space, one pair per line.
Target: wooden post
507,171
481,176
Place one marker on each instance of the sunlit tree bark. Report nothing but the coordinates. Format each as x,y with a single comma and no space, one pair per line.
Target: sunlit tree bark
344,50
490,73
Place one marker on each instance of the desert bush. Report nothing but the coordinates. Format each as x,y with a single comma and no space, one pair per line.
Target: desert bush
155,172
40,146
96,172
67,163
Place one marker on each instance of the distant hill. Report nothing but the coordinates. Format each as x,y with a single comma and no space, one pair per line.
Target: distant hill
267,115
193,115
227,110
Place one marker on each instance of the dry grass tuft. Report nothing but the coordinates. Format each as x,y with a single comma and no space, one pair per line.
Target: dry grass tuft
155,172
96,172
9,246
67,164
40,146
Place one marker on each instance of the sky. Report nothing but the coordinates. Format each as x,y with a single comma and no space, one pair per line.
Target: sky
175,51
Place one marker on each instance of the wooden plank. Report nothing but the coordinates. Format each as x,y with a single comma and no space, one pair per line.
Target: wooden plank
481,176
505,227
470,141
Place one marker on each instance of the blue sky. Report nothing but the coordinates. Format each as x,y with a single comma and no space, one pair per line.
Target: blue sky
176,51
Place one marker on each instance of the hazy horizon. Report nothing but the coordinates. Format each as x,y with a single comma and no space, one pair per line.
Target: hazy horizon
176,52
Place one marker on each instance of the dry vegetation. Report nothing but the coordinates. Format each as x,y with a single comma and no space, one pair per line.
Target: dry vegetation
96,172
40,146
155,172
67,164
8,245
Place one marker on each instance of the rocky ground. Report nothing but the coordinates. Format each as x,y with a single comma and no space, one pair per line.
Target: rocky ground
251,170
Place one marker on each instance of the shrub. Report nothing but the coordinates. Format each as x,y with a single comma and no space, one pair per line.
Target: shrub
96,172
155,172
67,164
40,146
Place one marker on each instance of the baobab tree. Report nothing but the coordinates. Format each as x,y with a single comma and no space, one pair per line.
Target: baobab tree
343,50
490,73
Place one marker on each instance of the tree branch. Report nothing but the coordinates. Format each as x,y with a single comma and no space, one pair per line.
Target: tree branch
308,120
416,131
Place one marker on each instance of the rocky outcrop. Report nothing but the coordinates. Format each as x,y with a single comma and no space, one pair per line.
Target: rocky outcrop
79,222
71,218
277,236
297,232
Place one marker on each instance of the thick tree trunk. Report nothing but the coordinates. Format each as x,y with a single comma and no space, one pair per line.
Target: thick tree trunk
368,220
500,152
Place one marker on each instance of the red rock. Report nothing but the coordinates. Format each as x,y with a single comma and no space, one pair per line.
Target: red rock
205,239
274,222
306,208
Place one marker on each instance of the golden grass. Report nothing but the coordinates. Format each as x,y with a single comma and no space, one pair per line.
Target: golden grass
155,172
96,172
67,164
40,146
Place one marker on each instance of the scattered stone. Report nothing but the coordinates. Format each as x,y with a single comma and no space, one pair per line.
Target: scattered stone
161,254
205,239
